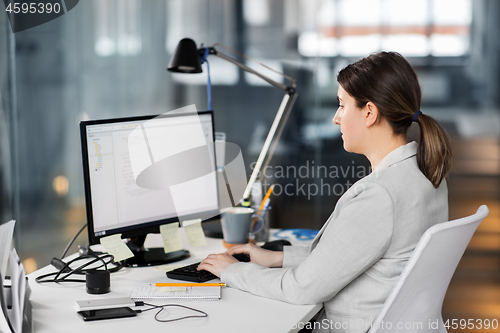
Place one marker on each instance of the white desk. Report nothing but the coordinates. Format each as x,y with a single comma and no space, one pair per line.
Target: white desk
237,311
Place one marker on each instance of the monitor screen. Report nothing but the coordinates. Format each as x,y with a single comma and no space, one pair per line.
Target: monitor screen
116,201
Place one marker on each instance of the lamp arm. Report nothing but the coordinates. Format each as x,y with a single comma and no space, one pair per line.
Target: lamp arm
272,140
257,62
279,120
244,67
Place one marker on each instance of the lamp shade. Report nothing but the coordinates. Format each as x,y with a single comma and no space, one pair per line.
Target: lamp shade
185,58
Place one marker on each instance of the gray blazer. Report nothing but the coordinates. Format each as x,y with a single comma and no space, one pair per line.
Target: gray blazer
358,255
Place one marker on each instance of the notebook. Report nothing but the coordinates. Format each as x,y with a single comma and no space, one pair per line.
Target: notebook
146,291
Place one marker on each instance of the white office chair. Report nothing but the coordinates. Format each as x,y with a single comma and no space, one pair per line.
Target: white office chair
415,302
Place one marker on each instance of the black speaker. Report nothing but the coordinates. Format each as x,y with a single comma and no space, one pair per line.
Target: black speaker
98,282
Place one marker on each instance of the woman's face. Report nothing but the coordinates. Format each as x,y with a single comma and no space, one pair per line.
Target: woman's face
351,121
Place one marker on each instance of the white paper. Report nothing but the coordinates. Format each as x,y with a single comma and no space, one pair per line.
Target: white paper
18,279
6,234
4,319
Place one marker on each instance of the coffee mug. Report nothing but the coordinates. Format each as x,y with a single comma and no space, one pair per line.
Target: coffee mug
235,225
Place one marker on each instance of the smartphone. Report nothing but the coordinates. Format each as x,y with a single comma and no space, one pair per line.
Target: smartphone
100,314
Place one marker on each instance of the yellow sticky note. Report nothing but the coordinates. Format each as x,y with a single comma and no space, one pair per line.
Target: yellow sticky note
194,232
116,247
171,237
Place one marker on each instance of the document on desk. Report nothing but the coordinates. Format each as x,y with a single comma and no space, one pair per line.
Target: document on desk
18,280
6,234
143,291
4,315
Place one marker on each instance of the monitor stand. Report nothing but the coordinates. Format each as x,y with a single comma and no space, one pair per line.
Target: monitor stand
151,256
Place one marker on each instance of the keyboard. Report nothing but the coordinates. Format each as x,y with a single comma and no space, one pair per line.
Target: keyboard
192,274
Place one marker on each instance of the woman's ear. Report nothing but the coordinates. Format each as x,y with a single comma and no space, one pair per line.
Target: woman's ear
371,114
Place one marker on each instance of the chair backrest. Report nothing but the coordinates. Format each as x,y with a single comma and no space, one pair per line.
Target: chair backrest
414,304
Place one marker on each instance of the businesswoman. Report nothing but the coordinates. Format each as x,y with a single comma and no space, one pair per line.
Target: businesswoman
358,255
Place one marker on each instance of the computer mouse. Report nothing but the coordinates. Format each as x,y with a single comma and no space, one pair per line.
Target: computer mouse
276,245
243,257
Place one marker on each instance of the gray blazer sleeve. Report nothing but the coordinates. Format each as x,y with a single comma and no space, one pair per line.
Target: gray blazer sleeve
294,255
353,240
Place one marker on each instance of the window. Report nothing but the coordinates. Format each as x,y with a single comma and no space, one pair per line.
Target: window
416,28
118,28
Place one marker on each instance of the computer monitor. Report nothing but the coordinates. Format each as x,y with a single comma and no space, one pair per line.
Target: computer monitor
116,204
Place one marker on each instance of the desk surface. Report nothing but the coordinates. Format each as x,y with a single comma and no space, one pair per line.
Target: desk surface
237,311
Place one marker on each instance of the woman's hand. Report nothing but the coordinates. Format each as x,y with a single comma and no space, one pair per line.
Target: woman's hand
258,255
217,263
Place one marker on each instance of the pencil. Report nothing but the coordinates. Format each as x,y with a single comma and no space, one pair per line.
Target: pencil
188,284
268,194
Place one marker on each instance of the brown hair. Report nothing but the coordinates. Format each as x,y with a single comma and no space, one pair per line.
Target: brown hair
388,80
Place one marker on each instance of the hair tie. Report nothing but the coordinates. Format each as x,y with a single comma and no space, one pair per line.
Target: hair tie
415,116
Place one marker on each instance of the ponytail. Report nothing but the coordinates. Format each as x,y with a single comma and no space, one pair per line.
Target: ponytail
434,150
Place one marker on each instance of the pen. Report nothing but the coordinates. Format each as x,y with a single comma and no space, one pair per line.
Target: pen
188,284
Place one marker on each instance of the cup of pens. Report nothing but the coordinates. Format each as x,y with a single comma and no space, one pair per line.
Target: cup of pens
259,228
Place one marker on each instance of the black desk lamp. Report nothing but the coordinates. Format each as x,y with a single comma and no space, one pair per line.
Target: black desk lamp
188,59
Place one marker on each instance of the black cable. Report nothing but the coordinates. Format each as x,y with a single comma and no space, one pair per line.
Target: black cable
71,241
68,271
81,268
64,267
78,270
162,307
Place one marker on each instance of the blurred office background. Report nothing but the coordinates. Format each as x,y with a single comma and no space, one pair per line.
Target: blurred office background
107,58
